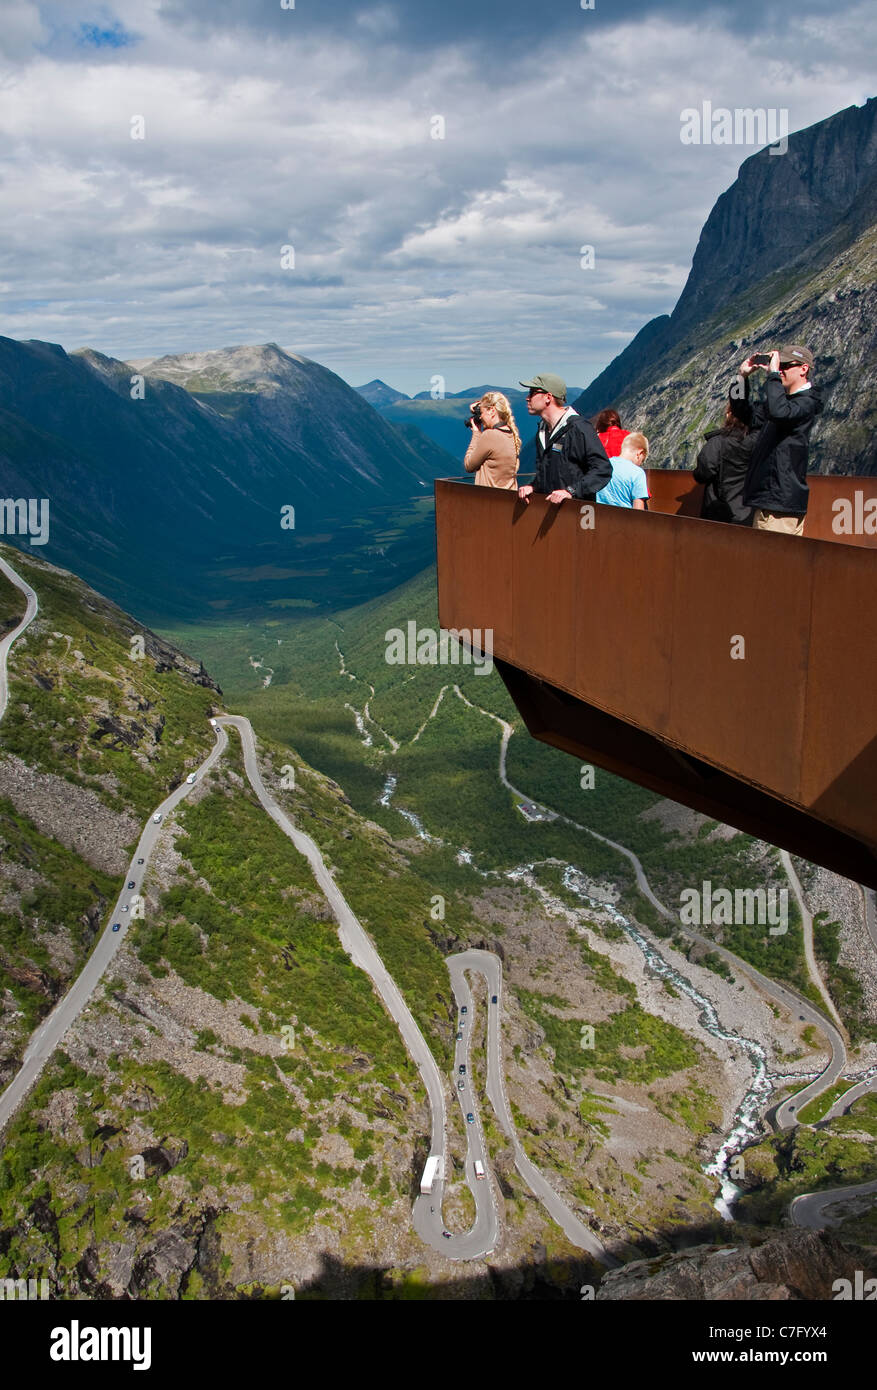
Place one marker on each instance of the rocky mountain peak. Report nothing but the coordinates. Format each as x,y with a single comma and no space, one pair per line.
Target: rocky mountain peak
780,205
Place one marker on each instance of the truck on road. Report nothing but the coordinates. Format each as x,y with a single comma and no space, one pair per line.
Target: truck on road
433,1170
479,1169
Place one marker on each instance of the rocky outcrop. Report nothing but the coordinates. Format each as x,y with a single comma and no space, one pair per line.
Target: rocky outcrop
786,255
794,1265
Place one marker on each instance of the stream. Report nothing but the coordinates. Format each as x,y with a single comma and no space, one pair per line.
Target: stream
746,1122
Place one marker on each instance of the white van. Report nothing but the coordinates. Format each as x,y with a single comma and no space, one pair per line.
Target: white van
156,818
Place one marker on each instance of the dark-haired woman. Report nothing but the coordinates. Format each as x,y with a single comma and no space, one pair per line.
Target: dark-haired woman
609,432
722,465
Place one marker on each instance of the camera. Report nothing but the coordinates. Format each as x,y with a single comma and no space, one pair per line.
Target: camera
760,359
474,417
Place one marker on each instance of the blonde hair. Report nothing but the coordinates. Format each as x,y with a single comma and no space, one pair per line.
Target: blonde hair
504,410
635,441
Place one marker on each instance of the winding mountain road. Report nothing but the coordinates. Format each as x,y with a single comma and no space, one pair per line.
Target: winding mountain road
427,1209
819,1210
30,613
51,1032
489,966
786,1114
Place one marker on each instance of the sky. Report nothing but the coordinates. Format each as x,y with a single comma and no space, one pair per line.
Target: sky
396,190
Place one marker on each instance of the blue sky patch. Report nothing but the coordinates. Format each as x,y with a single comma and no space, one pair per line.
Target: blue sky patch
95,36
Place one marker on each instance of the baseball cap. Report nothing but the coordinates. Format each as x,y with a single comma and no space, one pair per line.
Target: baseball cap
547,381
795,353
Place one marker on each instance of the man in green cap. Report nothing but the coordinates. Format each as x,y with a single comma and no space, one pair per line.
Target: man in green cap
570,460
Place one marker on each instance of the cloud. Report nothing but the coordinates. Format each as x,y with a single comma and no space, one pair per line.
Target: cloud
21,30
263,128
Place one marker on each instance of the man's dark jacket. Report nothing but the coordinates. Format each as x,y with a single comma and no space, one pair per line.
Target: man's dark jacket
722,465
777,478
574,458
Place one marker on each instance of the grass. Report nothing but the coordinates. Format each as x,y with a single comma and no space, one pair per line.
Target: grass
664,1048
809,1160
65,715
816,1109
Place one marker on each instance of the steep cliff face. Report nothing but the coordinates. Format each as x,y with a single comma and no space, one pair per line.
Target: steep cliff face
780,207
680,395
795,1265
789,253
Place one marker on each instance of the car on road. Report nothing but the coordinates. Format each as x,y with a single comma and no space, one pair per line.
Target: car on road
460,1085
213,723
462,1068
131,883
464,1010
141,861
125,908
493,998
190,779
156,818
470,1118
117,926
446,1234
459,1036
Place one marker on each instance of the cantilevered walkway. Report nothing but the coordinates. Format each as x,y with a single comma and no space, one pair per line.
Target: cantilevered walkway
734,671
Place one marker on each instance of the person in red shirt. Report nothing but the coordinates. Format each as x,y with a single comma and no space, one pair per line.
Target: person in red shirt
609,432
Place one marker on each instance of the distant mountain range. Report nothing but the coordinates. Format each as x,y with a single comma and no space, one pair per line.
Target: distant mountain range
168,478
441,420
378,393
788,254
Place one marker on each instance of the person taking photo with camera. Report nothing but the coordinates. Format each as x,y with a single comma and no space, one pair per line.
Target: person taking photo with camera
496,445
776,484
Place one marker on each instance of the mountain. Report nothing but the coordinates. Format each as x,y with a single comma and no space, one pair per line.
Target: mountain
788,254
378,393
182,1055
441,420
168,478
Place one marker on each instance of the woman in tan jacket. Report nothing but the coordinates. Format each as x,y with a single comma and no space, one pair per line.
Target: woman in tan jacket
493,453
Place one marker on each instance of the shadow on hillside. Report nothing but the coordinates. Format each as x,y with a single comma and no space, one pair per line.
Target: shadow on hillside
542,1278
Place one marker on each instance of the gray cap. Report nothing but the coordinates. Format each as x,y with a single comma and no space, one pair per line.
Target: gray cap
547,381
796,353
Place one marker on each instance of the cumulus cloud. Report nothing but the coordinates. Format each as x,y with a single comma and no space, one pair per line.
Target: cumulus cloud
21,29
150,187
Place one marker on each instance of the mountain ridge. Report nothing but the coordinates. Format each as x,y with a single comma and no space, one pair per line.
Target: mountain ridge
785,254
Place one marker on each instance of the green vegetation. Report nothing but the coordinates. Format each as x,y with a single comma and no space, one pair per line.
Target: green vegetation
843,984
663,1048
808,1160
694,1107
59,896
124,728
591,1109
816,1109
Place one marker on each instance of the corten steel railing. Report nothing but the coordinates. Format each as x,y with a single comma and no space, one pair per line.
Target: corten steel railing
675,491
618,644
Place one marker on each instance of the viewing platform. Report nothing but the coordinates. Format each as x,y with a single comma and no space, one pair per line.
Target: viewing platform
732,670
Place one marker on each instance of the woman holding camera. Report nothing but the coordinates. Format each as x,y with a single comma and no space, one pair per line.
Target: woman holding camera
493,453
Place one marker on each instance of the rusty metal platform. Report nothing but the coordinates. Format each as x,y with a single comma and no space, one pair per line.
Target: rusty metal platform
731,670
